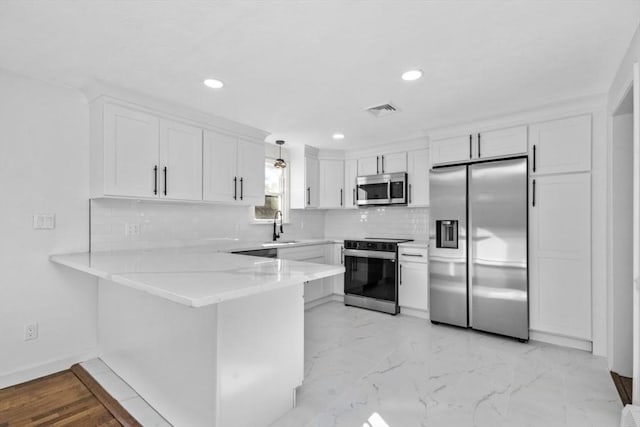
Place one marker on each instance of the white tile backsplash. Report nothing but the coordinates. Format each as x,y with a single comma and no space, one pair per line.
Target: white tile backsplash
174,224
384,221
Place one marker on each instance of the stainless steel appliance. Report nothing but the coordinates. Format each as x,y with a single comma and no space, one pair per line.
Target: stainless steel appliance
371,276
478,274
384,189
264,253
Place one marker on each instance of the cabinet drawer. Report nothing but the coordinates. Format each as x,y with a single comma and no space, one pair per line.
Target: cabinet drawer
315,253
420,255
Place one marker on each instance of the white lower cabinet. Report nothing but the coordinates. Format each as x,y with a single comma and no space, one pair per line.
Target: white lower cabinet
560,255
314,289
413,280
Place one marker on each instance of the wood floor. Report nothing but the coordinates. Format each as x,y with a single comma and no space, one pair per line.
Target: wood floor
624,386
67,398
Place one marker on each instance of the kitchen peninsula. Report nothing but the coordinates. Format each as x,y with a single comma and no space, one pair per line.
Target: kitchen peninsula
207,338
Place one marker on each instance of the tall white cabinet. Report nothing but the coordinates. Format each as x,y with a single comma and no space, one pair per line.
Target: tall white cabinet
560,228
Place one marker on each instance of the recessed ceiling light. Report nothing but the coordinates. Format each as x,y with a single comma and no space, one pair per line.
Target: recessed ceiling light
213,83
338,136
411,75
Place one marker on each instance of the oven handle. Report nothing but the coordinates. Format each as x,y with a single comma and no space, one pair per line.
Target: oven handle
358,253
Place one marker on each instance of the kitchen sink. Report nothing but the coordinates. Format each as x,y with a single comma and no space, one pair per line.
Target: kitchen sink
280,243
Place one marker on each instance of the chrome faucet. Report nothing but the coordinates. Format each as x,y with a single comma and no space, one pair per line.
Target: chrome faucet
276,235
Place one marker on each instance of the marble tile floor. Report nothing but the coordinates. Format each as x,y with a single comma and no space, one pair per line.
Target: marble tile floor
364,368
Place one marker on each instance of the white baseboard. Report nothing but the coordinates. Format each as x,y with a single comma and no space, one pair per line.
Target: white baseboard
561,340
323,300
41,370
422,314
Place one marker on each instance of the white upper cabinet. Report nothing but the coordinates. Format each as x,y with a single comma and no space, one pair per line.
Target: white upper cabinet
332,194
369,165
418,177
480,145
350,175
560,146
251,159
383,163
131,156
560,254
451,150
312,182
502,142
304,172
180,161
220,180
233,169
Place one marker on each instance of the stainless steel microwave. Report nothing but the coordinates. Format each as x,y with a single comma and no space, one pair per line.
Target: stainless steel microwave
384,189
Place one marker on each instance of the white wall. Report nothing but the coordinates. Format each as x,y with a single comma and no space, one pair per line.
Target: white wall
44,161
621,289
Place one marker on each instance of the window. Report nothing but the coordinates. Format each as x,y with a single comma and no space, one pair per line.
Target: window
275,181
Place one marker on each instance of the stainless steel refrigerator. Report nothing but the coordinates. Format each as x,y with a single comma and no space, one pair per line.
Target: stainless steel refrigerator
478,274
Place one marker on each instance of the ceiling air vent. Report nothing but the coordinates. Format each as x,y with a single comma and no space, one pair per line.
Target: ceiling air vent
382,110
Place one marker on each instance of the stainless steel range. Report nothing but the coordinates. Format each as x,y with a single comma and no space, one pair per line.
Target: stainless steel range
371,277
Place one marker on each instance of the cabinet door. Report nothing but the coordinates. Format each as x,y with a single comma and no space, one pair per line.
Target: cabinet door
560,254
394,162
350,175
251,173
451,150
220,180
131,152
502,142
418,177
413,289
312,176
331,184
560,146
180,176
369,166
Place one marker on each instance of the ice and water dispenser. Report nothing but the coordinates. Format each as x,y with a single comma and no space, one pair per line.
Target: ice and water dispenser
447,234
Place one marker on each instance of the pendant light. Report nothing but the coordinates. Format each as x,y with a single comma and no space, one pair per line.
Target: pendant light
280,163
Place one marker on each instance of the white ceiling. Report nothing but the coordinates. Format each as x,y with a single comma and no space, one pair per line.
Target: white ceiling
304,70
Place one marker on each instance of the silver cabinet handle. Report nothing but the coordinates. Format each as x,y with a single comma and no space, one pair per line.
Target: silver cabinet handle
342,255
534,159
377,164
479,155
409,193
308,196
155,179
354,197
165,180
470,146
241,188
341,204
400,274
382,164
408,254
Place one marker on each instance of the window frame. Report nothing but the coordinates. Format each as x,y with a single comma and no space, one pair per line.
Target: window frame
285,197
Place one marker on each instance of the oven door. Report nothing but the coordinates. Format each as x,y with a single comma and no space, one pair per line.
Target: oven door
370,274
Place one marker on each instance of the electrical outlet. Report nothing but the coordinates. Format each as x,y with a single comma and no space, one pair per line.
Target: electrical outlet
44,221
131,229
31,331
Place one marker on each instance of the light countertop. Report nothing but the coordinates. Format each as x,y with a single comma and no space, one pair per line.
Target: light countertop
421,244
198,276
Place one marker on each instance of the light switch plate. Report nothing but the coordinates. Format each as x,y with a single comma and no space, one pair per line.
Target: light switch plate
44,221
